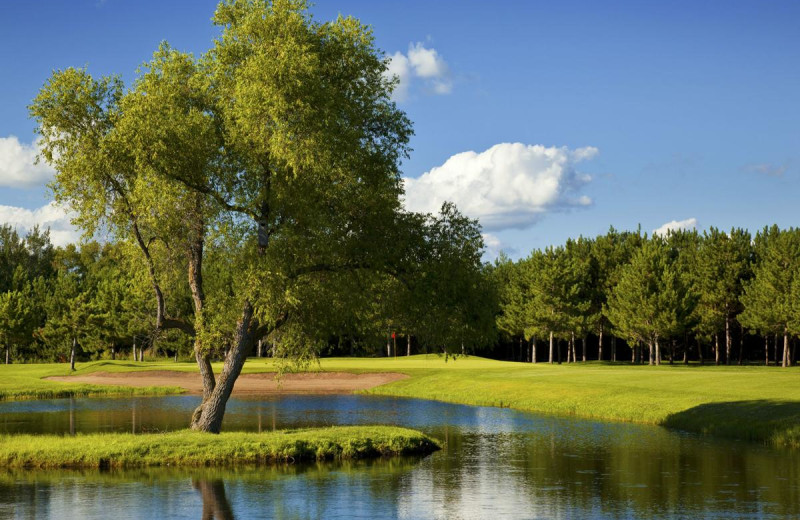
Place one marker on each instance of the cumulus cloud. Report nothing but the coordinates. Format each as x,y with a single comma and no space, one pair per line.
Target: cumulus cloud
50,216
676,225
17,164
510,185
419,63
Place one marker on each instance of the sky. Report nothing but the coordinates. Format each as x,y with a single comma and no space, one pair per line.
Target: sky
544,120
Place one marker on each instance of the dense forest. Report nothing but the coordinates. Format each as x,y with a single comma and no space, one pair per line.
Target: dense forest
716,297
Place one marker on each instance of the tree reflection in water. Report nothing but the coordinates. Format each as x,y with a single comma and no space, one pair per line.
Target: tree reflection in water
215,503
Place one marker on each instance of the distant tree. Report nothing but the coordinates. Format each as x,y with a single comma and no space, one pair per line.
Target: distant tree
723,266
650,303
769,298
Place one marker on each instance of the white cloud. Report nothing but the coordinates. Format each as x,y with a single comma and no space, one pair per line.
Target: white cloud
423,63
510,185
17,168
676,225
769,169
49,216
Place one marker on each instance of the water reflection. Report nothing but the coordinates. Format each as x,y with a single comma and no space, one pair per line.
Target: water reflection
497,463
215,503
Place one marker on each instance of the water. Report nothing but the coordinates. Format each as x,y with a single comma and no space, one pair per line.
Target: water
498,464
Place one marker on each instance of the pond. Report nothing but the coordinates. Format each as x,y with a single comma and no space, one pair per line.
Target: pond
499,463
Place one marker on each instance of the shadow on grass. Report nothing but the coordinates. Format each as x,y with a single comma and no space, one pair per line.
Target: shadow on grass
770,421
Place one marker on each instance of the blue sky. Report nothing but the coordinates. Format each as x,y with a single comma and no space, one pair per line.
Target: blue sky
544,119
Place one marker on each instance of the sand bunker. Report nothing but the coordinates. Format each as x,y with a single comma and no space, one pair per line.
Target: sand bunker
246,384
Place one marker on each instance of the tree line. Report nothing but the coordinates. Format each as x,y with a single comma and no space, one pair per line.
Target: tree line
721,297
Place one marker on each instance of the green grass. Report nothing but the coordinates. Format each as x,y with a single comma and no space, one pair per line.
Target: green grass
751,402
187,448
26,381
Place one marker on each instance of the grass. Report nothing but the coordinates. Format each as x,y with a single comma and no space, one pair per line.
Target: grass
187,448
26,381
750,402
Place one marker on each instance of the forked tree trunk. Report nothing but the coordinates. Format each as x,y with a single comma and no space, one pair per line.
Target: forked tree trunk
550,357
208,416
72,354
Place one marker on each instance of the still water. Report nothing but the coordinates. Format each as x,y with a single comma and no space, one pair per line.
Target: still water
498,463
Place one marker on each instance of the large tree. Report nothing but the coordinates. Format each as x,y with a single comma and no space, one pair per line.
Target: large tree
283,135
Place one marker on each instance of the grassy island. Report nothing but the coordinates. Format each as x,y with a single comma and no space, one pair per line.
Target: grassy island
188,448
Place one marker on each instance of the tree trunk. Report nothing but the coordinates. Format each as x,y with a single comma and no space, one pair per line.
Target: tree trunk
741,343
716,349
633,354
766,350
672,352
571,348
775,348
198,298
700,351
208,416
727,340
259,352
134,349
550,358
8,354
176,355
785,349
558,350
113,353
613,348
658,352
72,354
583,349
388,343
600,345
686,353
533,350
650,346
408,345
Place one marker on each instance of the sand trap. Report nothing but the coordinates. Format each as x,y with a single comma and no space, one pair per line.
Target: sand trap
246,384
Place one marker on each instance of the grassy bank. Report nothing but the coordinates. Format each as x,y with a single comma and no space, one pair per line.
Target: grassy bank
751,402
187,448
